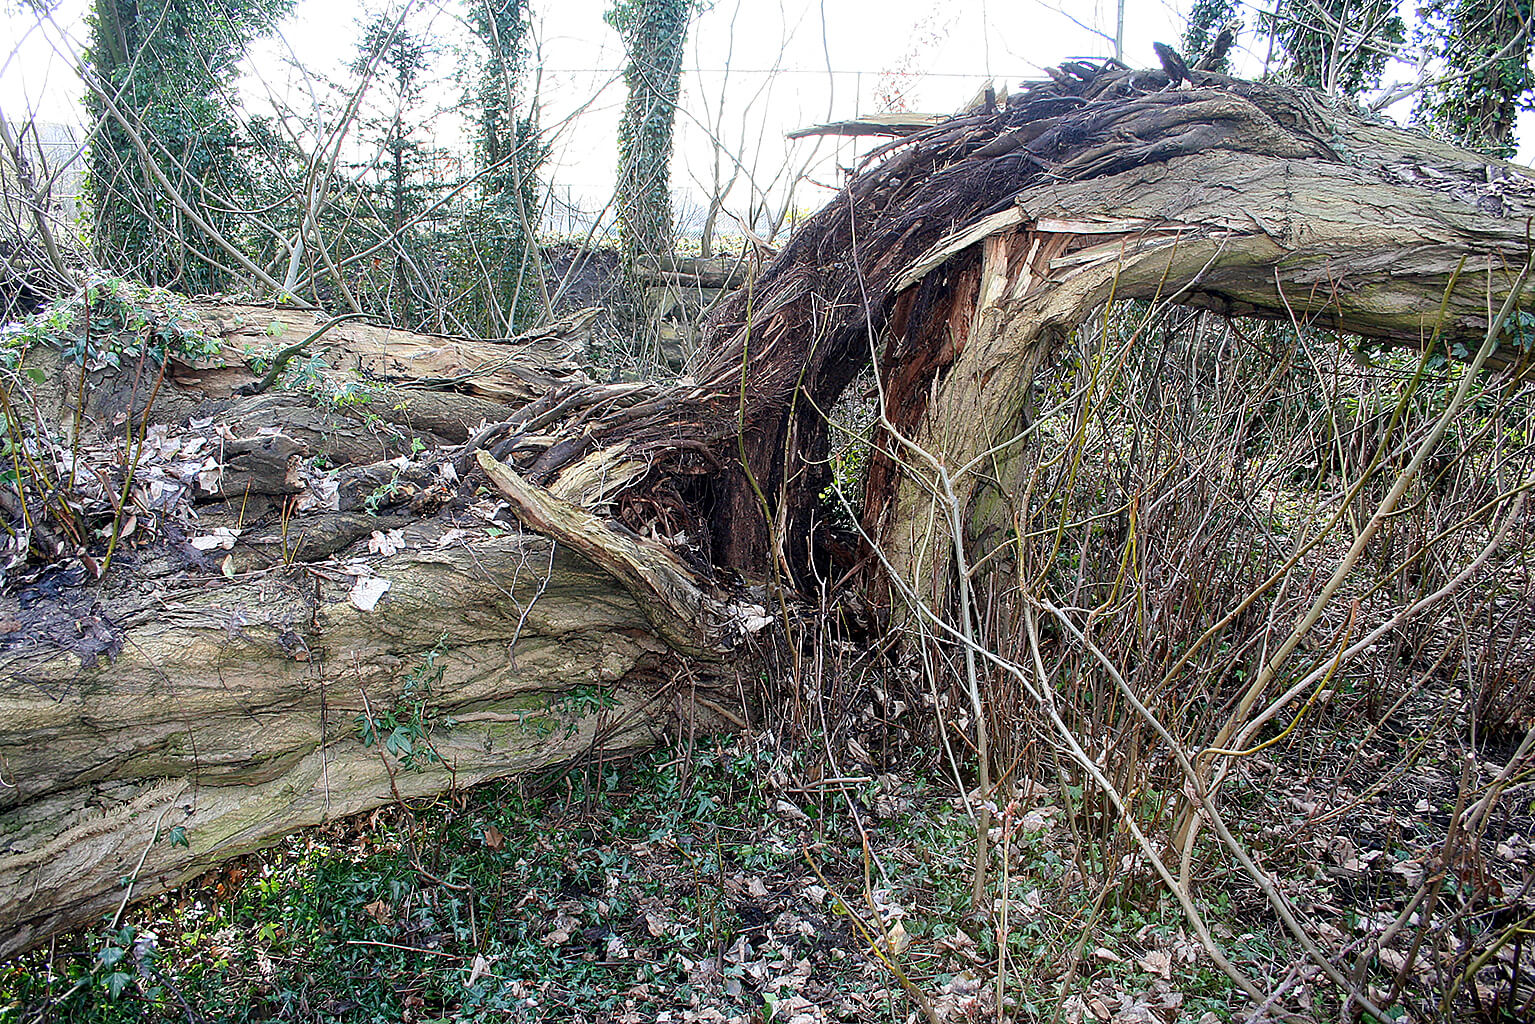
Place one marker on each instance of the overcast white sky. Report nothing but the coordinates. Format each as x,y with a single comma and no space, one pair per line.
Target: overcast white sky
936,55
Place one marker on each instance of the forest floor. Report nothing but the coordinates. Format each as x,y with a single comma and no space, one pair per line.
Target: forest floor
714,883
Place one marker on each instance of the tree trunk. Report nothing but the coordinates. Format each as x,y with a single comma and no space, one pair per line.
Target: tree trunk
1327,244
227,693
234,710
192,706
654,32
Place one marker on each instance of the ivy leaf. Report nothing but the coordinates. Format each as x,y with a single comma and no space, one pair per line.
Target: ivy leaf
399,741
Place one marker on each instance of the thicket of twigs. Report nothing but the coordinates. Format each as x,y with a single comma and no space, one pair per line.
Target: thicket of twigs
1207,501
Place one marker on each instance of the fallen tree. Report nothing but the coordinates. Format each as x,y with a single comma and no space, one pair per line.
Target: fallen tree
501,564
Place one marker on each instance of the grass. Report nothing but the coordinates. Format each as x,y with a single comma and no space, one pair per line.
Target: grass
675,883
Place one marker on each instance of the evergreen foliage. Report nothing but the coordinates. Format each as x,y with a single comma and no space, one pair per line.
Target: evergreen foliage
510,151
1339,46
1205,20
654,32
170,64
1485,46
463,256
399,60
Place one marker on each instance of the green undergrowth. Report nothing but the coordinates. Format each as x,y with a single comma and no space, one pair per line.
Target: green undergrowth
112,322
699,883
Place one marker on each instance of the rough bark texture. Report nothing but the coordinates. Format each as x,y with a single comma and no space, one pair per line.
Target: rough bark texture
1246,198
1229,200
231,710
218,692
227,695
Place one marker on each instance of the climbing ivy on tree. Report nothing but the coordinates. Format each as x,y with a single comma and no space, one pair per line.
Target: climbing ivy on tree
1485,47
654,32
1205,20
398,61
1338,46
501,27
508,146
170,67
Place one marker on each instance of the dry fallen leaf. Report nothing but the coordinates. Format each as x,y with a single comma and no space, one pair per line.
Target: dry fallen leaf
564,927
1036,820
366,592
264,965
788,810
895,940
1157,962
221,537
386,543
960,943
494,840
380,911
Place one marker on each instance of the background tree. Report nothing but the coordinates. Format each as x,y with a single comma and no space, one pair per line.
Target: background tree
512,286
401,59
1338,46
654,32
1485,47
169,64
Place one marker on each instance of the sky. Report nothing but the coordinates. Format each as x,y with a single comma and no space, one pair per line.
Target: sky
754,71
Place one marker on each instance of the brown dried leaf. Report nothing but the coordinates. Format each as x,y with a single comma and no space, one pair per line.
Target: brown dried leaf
1157,962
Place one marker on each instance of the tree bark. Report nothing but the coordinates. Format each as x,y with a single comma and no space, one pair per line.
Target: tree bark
232,709
1325,244
228,695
